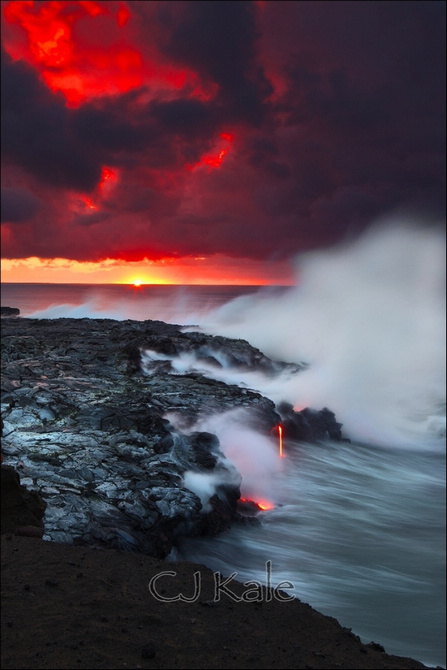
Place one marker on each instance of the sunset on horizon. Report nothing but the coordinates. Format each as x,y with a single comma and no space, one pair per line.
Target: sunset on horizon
211,142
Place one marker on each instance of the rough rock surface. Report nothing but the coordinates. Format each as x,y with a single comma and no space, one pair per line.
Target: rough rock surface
83,407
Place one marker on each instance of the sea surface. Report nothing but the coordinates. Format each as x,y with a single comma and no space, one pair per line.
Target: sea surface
169,303
357,529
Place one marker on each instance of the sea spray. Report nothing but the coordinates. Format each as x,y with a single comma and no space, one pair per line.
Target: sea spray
369,318
184,305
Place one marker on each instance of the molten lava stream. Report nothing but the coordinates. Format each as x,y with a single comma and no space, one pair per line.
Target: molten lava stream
263,505
281,453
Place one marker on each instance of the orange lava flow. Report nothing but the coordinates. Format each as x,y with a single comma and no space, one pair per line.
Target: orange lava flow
263,505
281,453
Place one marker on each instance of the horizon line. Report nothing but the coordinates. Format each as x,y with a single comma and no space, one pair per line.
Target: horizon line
133,284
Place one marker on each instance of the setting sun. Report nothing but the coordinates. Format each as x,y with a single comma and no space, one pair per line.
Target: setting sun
137,283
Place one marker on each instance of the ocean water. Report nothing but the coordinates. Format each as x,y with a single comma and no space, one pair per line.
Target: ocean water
357,529
171,303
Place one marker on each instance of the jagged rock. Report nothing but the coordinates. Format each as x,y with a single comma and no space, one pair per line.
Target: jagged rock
86,406
204,444
309,425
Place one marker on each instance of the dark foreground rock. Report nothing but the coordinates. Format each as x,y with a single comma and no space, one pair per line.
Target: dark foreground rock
9,311
74,607
21,509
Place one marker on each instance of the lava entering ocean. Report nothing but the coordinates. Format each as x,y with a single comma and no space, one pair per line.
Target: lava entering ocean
246,504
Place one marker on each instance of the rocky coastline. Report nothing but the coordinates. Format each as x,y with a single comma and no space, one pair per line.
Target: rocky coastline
90,458
84,406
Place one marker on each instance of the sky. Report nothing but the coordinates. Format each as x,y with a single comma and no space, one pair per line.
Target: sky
212,142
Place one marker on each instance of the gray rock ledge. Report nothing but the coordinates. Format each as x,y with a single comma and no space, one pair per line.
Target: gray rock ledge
84,424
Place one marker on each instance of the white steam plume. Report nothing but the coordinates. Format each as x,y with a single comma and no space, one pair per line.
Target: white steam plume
369,318
254,455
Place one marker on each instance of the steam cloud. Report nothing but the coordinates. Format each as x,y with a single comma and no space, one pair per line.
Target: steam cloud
369,318
254,456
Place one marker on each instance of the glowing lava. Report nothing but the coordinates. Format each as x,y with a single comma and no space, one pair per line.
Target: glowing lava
263,505
281,453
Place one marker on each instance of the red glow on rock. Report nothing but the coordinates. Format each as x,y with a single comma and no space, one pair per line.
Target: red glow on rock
263,505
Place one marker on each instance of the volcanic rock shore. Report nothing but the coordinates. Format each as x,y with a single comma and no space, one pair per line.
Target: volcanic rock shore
91,461
84,406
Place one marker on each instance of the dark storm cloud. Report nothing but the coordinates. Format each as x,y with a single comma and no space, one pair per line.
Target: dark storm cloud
111,129
68,147
218,39
188,118
334,99
364,106
337,110
125,126
35,131
18,205
92,219
262,153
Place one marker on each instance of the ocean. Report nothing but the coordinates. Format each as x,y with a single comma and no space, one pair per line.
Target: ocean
356,529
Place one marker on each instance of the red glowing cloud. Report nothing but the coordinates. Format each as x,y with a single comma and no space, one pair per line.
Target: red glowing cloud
208,130
109,179
215,159
83,50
